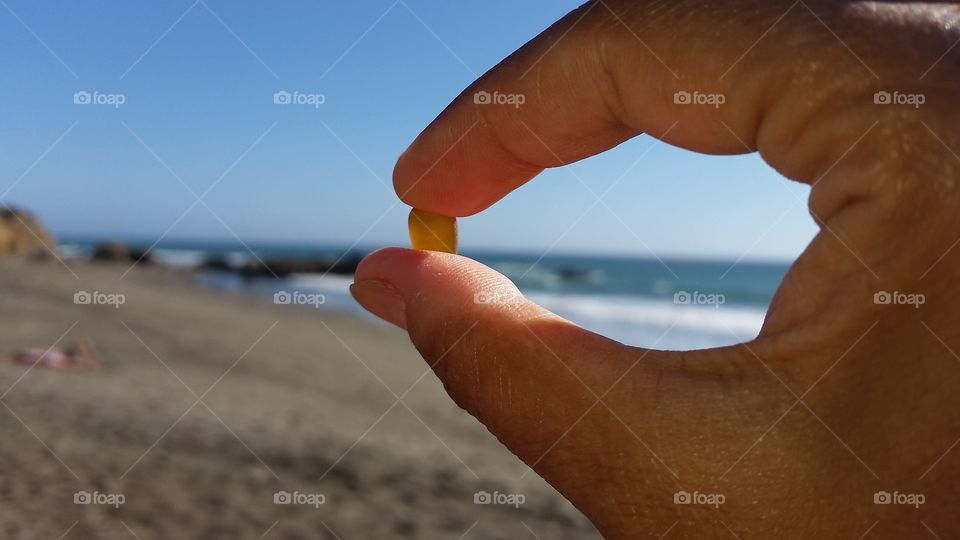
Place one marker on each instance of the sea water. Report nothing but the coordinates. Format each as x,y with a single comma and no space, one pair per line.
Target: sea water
649,302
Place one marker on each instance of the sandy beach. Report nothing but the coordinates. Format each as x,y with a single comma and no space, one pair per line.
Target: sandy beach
209,405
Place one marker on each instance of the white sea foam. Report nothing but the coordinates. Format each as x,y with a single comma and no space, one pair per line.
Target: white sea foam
655,323
178,258
633,320
336,283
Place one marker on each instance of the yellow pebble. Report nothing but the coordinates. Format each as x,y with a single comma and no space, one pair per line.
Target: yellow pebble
432,232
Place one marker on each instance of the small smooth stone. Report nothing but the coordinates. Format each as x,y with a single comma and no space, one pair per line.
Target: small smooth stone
432,232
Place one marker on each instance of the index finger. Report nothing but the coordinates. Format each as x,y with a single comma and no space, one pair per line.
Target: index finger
554,101
611,70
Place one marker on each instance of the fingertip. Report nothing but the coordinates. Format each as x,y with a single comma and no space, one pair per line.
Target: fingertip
458,166
381,299
388,264
415,273
433,279
382,281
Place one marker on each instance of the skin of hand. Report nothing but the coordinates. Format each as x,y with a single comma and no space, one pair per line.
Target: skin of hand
840,398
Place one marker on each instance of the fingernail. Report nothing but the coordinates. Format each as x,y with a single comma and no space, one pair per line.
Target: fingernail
381,299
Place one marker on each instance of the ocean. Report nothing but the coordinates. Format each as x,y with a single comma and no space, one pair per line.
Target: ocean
664,304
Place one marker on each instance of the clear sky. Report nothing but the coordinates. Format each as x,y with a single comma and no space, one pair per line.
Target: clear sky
198,79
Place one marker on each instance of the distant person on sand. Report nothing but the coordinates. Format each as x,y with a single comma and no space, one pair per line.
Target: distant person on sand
848,399
81,356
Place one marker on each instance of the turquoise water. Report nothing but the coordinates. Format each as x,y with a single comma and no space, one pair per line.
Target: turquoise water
667,304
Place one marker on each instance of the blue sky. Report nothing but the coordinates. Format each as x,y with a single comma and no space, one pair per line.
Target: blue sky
198,81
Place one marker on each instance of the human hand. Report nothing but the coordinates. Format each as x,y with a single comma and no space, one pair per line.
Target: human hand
839,397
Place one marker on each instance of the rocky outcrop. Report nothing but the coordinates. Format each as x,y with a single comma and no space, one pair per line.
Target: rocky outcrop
283,267
22,234
111,251
114,251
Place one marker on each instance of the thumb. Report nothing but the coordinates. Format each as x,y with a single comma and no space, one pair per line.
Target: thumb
588,414
494,350
524,372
